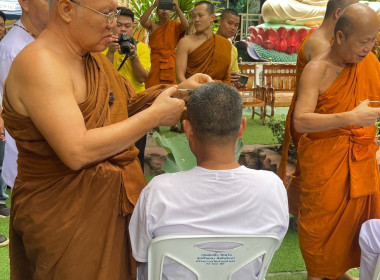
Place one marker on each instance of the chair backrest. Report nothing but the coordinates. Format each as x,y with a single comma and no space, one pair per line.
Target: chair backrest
376,274
249,69
194,252
279,76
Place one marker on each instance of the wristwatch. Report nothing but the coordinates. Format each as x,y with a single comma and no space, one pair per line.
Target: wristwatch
132,56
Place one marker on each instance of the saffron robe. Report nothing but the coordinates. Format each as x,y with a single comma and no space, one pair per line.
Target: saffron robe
212,57
68,224
163,42
339,176
293,187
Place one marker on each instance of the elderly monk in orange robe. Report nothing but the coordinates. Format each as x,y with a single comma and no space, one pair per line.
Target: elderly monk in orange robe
337,154
203,51
163,40
77,163
314,44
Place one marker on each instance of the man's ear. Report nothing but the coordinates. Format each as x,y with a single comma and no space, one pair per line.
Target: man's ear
339,37
188,129
213,17
24,5
337,13
243,127
65,10
219,21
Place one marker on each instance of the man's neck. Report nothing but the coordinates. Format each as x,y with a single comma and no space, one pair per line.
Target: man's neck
217,157
327,29
206,33
28,25
162,21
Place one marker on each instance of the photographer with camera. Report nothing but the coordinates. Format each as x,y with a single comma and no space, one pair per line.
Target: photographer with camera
131,59
136,56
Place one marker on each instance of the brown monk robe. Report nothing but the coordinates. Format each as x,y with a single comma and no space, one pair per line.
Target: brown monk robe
340,177
293,187
213,57
162,43
74,224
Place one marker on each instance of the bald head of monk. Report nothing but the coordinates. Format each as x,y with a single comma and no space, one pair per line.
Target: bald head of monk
356,32
87,24
228,23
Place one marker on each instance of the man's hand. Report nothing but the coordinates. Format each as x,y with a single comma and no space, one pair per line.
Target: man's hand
132,49
167,109
364,115
114,46
175,5
195,81
234,77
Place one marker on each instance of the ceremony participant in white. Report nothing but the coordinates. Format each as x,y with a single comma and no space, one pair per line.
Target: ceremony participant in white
369,241
218,196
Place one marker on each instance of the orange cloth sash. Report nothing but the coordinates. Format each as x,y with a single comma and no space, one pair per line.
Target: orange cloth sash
212,57
339,177
293,188
162,43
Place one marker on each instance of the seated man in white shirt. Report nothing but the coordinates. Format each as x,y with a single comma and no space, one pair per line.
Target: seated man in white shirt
218,196
369,241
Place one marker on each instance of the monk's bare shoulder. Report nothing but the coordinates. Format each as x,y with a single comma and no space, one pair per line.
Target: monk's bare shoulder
315,45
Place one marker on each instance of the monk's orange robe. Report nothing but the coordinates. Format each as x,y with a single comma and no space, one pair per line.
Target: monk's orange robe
212,57
163,42
68,224
293,187
339,176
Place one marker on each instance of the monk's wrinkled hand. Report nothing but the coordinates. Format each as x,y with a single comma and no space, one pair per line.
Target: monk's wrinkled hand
195,81
167,109
363,115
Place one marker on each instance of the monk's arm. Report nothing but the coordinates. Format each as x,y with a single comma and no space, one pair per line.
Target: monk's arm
182,18
181,60
144,19
306,121
51,102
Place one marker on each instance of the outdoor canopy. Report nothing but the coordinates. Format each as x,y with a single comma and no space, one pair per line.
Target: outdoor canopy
11,9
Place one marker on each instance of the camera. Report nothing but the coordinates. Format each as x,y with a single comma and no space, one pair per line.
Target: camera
165,5
124,42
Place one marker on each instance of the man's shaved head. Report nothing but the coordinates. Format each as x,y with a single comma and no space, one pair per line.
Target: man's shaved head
209,5
356,17
228,12
333,5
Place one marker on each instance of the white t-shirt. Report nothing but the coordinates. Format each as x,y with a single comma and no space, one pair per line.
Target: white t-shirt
201,201
15,40
369,240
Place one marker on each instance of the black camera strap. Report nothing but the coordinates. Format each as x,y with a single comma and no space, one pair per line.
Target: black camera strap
122,63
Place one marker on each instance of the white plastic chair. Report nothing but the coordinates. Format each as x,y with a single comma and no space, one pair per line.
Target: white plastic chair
215,263
376,274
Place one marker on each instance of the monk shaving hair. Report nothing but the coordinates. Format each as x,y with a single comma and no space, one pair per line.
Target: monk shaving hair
74,120
337,153
314,44
203,51
163,39
228,26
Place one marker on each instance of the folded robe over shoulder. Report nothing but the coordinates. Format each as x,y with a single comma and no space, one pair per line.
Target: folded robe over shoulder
339,176
213,57
162,43
68,224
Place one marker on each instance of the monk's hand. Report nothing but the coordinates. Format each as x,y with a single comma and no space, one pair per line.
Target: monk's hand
168,109
175,5
363,115
195,81
234,77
